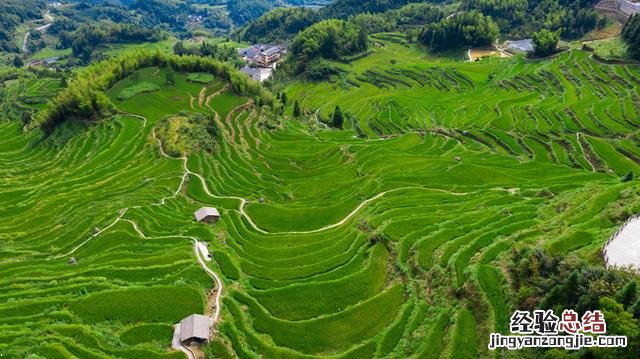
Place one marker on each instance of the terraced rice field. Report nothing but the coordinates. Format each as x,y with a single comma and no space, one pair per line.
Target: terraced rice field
329,244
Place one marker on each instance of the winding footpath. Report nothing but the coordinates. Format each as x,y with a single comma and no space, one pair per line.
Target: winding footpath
48,19
215,315
243,201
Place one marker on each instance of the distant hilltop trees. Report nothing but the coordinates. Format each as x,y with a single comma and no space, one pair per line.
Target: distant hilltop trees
85,97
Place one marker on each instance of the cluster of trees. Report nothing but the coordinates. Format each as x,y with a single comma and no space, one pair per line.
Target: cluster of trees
545,42
463,29
328,39
12,14
90,36
572,18
403,19
186,133
279,25
631,35
342,9
85,97
543,281
222,53
243,11
284,23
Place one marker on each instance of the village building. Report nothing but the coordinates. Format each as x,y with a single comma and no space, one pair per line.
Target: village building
263,55
194,329
257,73
619,9
207,214
269,56
261,60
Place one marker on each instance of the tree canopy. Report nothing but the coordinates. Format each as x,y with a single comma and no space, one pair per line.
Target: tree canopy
329,39
545,42
85,97
631,35
279,25
464,29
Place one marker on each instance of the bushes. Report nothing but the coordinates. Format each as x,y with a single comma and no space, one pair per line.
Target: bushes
320,69
545,42
183,134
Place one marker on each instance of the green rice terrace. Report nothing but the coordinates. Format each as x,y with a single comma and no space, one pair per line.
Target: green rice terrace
386,239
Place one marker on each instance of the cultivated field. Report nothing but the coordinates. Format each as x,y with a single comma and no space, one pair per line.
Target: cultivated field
386,239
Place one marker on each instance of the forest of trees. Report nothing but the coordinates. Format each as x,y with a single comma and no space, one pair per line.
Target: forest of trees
631,35
243,11
279,25
403,19
342,9
543,281
283,24
520,18
85,99
227,54
328,39
464,29
12,14
88,37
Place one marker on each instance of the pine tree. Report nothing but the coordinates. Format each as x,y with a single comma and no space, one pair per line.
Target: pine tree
628,294
635,309
283,98
296,110
17,61
338,119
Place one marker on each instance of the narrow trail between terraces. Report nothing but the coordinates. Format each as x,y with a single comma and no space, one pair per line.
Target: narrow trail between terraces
243,201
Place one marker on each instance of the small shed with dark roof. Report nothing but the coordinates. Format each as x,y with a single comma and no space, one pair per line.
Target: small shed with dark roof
194,328
207,214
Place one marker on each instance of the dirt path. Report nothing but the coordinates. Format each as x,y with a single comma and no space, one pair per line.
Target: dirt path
176,344
584,154
25,48
201,96
243,201
218,286
318,121
48,19
210,97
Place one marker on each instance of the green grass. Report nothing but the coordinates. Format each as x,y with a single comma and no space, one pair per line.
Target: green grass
202,78
464,340
610,49
477,158
139,88
131,305
147,333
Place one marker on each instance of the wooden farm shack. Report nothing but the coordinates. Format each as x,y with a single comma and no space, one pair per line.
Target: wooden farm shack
194,329
207,214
